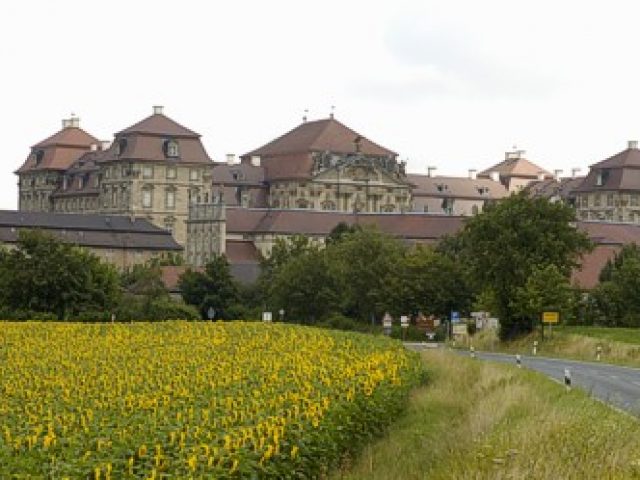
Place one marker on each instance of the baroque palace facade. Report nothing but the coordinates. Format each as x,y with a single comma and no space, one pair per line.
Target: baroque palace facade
159,171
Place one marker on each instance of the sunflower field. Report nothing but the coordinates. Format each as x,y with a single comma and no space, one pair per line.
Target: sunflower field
192,400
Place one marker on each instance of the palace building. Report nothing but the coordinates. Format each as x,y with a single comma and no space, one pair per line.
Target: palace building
153,169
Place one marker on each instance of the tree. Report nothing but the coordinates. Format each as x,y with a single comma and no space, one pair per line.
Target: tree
546,289
367,260
431,282
340,231
307,288
616,297
213,288
44,274
504,245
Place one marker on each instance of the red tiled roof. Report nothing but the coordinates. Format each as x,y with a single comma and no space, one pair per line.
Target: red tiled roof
60,150
587,276
310,222
516,167
159,124
70,137
458,187
320,135
170,276
241,251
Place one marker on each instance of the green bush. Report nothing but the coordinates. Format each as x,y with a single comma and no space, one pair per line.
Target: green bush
170,310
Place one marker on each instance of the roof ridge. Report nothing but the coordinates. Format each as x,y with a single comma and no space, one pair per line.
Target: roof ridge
136,127
49,140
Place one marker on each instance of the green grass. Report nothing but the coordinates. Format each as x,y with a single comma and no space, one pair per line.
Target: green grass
622,335
480,420
618,346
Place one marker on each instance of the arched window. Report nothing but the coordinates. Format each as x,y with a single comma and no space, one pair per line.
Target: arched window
171,149
301,203
328,205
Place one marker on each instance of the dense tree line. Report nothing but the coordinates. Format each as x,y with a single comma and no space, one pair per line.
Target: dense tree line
513,260
45,278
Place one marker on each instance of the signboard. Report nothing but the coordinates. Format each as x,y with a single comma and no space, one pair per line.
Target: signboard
404,321
455,317
460,329
387,321
211,313
266,316
550,317
436,322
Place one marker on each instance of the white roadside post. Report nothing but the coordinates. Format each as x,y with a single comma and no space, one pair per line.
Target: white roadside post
567,379
473,351
404,323
387,322
535,348
598,353
519,360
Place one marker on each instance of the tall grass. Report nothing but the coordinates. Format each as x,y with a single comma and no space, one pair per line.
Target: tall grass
565,343
479,420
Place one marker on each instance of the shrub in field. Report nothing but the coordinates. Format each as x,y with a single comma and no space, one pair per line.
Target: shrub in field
192,400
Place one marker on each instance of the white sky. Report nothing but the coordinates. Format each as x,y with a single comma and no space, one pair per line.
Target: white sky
447,83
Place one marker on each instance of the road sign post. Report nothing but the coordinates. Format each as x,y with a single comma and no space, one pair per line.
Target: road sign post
211,313
550,318
404,323
387,322
267,317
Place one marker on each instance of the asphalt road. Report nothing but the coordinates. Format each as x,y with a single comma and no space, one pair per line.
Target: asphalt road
619,386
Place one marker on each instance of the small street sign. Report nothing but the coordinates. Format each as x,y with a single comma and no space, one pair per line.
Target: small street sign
455,317
550,317
266,316
211,313
404,321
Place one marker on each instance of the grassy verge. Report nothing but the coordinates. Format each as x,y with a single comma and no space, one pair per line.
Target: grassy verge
619,346
487,421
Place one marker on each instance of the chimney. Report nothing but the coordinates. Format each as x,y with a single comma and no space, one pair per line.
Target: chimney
633,144
231,158
74,122
541,175
158,110
255,160
556,174
495,176
472,173
304,117
574,172
105,144
94,147
431,169
66,123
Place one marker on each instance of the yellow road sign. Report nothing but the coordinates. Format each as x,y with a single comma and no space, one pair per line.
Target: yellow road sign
550,317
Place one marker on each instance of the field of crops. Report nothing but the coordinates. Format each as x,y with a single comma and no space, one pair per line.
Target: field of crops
192,400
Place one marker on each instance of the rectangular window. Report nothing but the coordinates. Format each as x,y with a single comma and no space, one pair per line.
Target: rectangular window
596,200
610,200
193,174
171,172
171,199
147,171
146,198
634,200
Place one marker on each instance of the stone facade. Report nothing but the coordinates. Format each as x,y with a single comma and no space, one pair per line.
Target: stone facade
153,169
206,232
611,190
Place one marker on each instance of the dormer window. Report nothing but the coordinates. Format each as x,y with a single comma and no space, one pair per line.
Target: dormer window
65,182
442,187
171,149
39,156
602,177
122,146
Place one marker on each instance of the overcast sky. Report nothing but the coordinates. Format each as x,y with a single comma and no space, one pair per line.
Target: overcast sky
452,84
